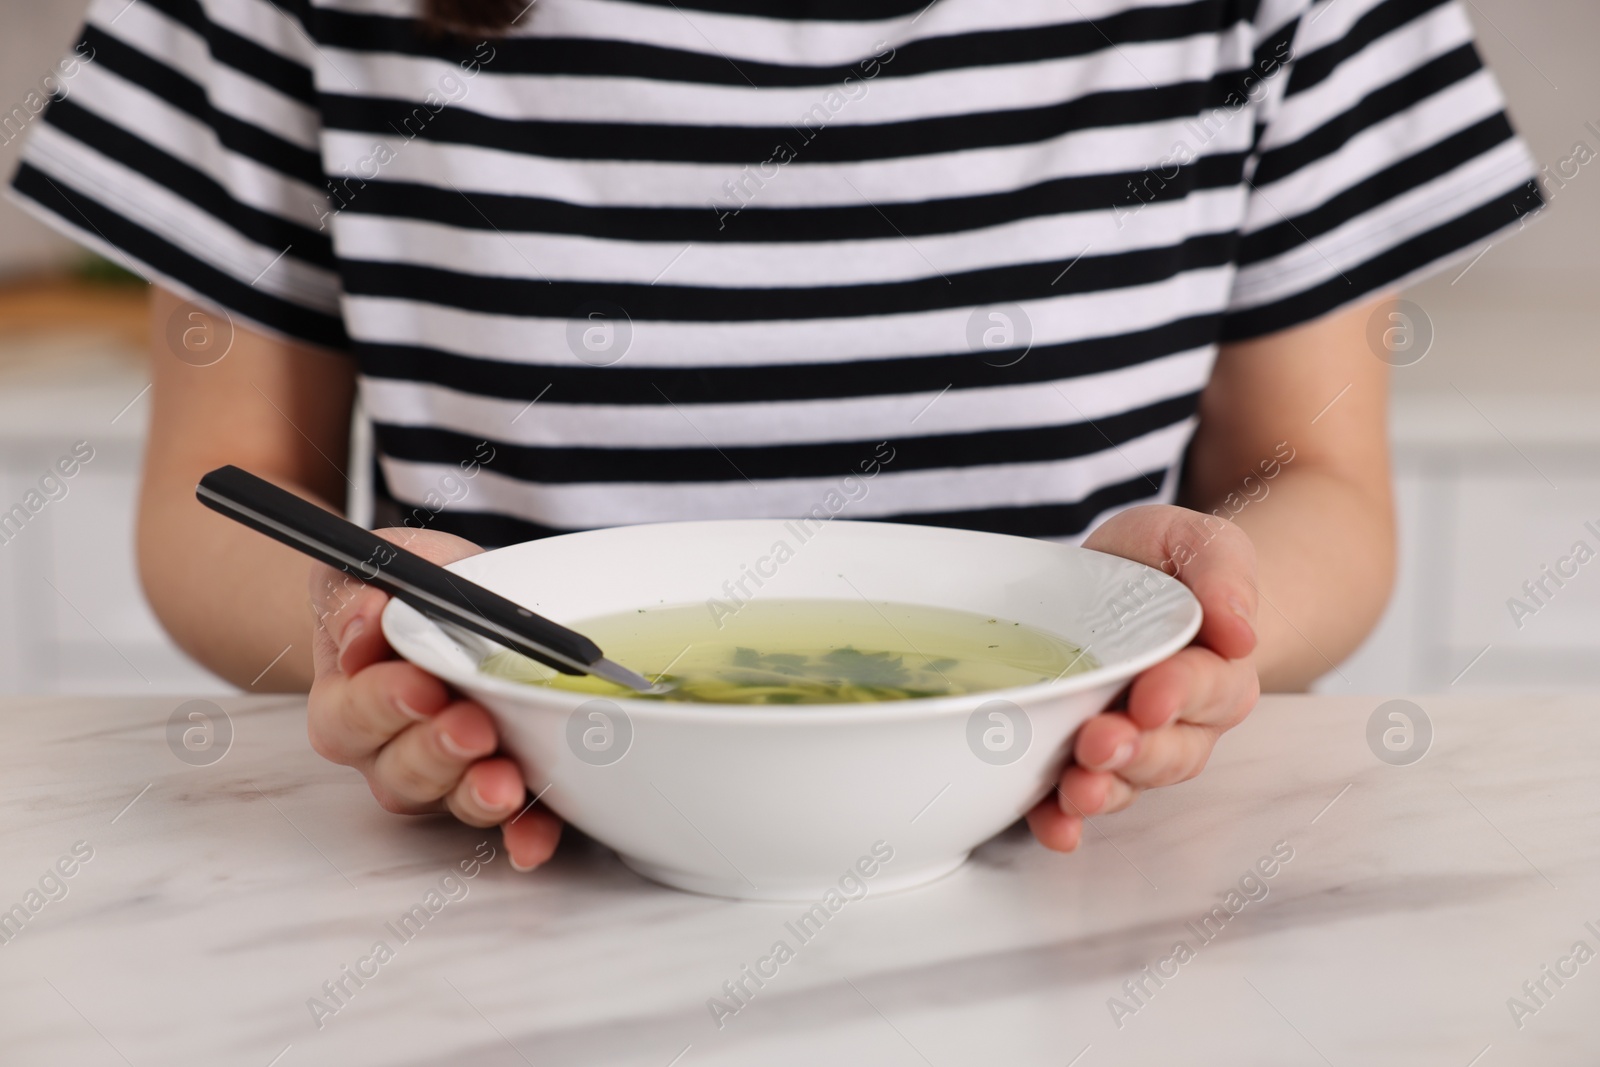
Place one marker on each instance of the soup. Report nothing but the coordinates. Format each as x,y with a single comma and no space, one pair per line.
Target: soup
810,652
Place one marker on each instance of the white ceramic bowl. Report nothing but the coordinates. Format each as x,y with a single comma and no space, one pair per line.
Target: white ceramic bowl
784,803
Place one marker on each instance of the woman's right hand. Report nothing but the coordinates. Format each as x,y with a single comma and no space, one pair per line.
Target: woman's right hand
422,748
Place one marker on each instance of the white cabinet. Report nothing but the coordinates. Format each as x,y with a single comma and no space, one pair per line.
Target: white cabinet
1485,508
1541,574
12,617
92,614
72,617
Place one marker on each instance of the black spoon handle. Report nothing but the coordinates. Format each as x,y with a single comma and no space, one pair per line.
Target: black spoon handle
426,586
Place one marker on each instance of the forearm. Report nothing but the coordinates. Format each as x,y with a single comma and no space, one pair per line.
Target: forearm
232,599
1293,446
1325,556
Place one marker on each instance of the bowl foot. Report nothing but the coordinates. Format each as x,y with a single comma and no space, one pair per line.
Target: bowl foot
791,889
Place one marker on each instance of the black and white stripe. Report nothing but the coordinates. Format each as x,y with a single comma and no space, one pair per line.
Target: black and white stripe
801,209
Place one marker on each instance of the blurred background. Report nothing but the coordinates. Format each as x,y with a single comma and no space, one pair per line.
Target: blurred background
1495,430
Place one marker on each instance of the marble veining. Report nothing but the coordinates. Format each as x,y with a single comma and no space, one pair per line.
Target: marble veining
219,899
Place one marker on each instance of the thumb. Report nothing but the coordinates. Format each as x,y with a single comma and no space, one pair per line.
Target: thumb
1210,555
348,636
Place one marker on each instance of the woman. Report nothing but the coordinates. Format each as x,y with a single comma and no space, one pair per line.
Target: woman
1111,274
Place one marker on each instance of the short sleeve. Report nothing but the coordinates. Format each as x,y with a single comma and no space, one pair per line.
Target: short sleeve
182,142
1384,153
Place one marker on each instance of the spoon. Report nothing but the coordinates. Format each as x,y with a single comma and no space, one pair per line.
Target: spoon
451,601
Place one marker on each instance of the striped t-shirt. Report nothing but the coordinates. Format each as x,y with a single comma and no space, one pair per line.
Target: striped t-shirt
962,263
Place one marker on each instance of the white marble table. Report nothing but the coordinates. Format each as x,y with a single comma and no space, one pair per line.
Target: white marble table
220,898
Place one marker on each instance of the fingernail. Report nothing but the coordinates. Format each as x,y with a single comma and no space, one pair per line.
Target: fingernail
454,748
410,712
348,635
1236,606
517,866
479,799
351,631
1122,755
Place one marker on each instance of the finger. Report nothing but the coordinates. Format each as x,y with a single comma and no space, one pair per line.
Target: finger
347,635
425,761
489,793
1211,556
349,718
1212,696
1085,792
1183,686
1170,755
531,837
1195,686
1054,828
1106,742
347,610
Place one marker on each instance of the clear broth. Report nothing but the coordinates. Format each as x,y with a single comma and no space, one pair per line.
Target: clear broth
811,652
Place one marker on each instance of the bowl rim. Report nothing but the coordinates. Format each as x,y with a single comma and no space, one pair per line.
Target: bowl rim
540,698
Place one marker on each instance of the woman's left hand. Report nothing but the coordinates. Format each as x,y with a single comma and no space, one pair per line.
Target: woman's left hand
1176,710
